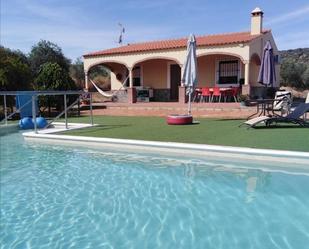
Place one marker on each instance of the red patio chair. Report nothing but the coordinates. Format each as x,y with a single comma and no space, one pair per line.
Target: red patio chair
216,93
235,92
226,94
231,94
205,94
197,94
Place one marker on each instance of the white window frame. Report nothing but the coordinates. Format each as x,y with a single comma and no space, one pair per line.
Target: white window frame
217,75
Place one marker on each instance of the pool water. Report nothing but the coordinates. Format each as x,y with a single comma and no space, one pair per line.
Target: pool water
69,197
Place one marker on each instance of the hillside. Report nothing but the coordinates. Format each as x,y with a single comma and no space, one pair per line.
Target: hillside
294,69
299,55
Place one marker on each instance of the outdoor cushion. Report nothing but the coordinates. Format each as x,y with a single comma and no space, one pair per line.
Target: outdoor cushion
254,121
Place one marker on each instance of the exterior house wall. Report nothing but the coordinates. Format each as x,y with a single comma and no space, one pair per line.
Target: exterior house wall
208,67
239,50
206,71
254,73
131,59
155,74
256,47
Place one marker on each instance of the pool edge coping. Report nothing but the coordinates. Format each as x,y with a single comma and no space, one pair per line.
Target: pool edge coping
170,145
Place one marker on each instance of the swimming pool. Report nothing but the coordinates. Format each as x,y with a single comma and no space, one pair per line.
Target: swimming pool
70,197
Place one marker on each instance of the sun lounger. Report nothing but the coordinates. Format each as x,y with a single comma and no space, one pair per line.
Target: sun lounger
306,101
294,117
283,101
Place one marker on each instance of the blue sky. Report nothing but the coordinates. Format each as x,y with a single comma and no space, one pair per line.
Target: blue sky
81,26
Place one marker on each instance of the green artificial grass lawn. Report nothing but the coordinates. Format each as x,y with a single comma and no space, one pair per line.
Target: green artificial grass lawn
208,131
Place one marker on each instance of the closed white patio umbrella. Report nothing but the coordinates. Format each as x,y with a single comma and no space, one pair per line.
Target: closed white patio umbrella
189,77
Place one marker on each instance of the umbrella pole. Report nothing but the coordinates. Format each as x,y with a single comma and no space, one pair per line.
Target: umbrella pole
189,104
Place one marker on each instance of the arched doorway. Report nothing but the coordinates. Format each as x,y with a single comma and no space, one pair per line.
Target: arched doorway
109,75
161,75
223,70
257,90
100,74
255,63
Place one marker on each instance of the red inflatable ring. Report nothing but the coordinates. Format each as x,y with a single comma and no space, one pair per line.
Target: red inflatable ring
176,119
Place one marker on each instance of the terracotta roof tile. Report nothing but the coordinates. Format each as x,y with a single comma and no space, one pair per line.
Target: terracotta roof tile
206,40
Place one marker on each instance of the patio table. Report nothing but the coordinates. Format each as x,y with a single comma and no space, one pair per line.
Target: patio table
222,89
263,106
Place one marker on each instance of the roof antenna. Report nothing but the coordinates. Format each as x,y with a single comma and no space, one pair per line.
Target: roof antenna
122,30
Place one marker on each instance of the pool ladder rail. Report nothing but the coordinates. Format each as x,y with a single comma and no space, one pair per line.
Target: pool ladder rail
81,96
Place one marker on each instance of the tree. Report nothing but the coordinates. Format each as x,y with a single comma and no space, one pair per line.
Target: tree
101,76
46,51
98,70
53,77
15,73
77,73
294,68
305,78
291,73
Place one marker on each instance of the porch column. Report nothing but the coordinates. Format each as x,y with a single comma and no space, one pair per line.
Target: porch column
86,81
181,70
131,90
247,69
246,87
182,95
130,77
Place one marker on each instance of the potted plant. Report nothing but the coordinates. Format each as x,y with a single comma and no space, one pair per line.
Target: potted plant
243,98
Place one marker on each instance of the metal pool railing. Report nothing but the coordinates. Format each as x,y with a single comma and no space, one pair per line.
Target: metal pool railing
81,95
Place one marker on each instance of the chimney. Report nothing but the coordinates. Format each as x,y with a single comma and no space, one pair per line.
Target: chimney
256,21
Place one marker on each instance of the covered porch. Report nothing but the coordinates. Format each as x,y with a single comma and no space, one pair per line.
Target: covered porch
158,78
